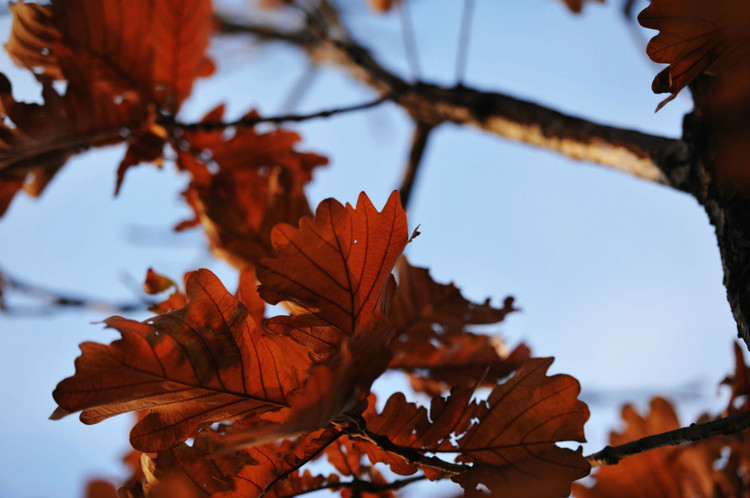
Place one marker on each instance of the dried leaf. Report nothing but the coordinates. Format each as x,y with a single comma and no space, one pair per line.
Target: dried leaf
512,445
695,37
43,136
198,471
99,488
156,49
333,270
258,183
204,363
434,340
577,5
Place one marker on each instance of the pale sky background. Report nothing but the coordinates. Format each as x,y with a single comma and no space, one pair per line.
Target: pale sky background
619,279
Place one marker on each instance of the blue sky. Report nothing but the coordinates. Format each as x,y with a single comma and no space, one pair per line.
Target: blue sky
619,279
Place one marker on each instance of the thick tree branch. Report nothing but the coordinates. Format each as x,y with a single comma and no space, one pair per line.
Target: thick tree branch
650,157
610,455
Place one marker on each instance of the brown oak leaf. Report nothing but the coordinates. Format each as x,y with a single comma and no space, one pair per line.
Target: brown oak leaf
201,470
204,363
258,183
509,439
696,37
434,340
155,48
43,136
333,271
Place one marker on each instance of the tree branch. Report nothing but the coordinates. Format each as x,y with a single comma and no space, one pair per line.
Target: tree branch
650,157
283,118
418,145
359,430
359,486
55,301
611,455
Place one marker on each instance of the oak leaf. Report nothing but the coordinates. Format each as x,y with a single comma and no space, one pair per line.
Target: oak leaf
696,37
155,48
43,136
577,5
509,439
204,363
201,470
333,271
258,183
122,61
434,341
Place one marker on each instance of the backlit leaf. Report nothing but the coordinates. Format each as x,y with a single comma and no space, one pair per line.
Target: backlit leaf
695,37
156,48
333,270
204,363
259,183
509,439
434,340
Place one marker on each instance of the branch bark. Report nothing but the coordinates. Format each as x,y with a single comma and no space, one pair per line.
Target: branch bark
654,158
611,455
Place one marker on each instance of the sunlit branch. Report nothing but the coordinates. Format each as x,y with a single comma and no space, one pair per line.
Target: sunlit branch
283,118
610,455
650,157
418,145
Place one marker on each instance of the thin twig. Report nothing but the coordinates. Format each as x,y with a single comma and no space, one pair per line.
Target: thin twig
284,118
418,145
359,430
464,36
56,301
610,455
300,88
410,44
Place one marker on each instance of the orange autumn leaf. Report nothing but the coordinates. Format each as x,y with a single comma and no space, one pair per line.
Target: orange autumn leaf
204,363
43,136
258,183
156,283
434,341
156,48
577,5
99,488
199,470
382,6
122,61
696,37
508,439
333,270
